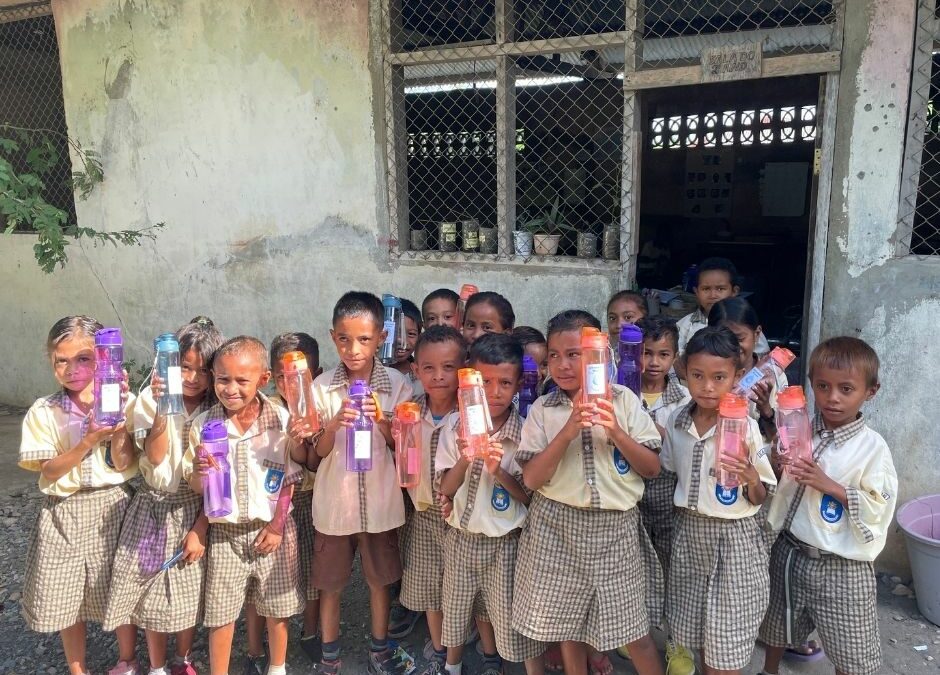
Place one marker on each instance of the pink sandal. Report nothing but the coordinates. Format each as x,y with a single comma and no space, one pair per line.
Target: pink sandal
601,665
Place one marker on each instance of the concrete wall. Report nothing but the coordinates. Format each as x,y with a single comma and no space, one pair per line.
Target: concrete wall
892,302
249,128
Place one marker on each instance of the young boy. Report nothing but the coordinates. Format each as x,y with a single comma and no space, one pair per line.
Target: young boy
534,345
834,513
357,510
439,354
440,309
489,508
717,279
255,546
404,358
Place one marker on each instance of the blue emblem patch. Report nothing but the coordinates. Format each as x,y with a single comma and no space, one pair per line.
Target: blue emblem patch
726,496
273,480
621,463
830,509
500,499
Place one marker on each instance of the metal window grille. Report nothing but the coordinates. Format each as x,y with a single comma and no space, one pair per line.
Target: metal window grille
31,82
725,128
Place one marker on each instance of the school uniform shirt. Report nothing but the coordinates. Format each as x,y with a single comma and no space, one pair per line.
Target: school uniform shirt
349,502
692,458
481,504
309,476
259,461
52,426
423,495
858,458
671,398
593,473
417,389
692,323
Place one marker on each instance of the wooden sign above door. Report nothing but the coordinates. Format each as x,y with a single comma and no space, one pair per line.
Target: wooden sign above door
732,62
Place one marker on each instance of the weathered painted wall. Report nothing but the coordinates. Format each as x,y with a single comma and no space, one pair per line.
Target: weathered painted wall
248,127
891,302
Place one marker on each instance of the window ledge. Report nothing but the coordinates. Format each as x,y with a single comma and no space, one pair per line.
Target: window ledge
562,262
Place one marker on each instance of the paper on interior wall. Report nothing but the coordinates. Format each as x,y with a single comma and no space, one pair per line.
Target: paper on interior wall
783,189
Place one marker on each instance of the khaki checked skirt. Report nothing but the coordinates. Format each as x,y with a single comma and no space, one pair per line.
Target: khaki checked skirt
657,507
422,559
68,562
153,531
302,514
587,575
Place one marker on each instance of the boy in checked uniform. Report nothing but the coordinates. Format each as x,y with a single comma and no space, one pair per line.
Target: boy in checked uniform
252,552
717,589
586,566
489,508
833,513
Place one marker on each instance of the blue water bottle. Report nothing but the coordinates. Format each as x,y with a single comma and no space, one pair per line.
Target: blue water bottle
167,367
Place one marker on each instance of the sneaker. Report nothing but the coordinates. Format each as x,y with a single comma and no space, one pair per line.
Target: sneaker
679,660
430,655
402,621
313,647
434,668
327,667
125,668
385,663
183,668
255,665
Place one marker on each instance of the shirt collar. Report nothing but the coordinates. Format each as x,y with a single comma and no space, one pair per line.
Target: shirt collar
843,434
60,399
556,397
379,381
673,393
698,316
684,416
422,400
267,419
511,429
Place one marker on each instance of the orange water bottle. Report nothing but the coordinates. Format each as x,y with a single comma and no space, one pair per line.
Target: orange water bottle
794,433
298,389
465,292
406,428
730,437
595,364
475,424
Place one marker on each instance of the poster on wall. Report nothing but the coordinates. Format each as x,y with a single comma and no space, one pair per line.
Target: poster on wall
709,177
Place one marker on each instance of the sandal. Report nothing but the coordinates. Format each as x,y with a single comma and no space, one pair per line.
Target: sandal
552,658
601,665
807,652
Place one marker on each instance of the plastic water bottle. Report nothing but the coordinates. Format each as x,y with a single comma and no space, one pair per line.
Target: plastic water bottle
217,488
109,356
530,385
359,437
595,361
394,325
298,389
406,428
167,367
795,434
475,423
630,351
779,357
731,436
465,292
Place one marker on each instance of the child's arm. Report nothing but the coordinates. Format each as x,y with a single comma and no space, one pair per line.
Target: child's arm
754,488
122,448
493,464
194,543
641,458
542,466
270,536
157,441
53,469
453,478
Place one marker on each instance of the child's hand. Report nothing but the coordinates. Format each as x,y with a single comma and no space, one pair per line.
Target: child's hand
447,505
493,458
157,386
462,447
760,394
370,409
95,434
809,473
194,546
746,471
604,417
125,388
267,540
205,461
299,430
580,418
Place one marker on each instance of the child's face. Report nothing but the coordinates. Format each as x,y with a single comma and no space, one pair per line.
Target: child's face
658,357
238,377
482,318
280,381
539,353
840,394
620,312
564,360
441,312
437,364
357,338
501,383
411,337
709,378
73,362
747,338
713,285
196,377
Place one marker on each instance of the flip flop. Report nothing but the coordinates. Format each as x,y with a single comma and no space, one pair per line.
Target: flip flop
808,652
601,665
553,662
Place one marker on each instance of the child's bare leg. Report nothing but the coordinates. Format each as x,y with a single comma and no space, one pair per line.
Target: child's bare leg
127,642
329,615
184,642
380,602
277,640
487,636
73,644
714,671
574,657
535,666
220,648
436,627
156,648
454,655
645,657
311,617
772,658
254,627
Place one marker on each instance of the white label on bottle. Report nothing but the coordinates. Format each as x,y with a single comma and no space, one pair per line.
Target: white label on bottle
362,444
476,419
174,380
389,332
111,398
595,379
754,375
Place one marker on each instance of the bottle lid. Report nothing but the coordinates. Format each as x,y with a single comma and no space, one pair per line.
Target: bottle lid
631,333
592,338
733,406
529,365
467,290
389,300
409,412
782,356
469,377
108,337
214,430
359,388
294,361
166,342
791,398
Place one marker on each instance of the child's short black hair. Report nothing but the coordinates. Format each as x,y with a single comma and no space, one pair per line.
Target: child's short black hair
495,349
357,303
636,298
411,310
527,335
502,306
202,337
715,340
718,264
296,342
658,327
440,294
438,335
846,353
733,310
244,344
572,319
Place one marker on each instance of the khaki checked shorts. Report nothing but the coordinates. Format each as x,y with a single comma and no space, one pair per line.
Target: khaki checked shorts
302,514
659,513
422,560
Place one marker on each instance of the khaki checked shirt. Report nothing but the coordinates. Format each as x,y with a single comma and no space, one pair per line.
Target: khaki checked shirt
689,325
859,459
259,460
348,502
52,426
481,504
307,483
674,396
593,473
423,496
692,458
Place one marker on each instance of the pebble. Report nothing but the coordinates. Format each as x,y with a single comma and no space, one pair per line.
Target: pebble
928,658
896,580
898,617
893,641
901,589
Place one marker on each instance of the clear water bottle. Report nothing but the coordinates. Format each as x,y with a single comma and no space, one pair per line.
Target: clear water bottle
359,436
779,357
109,375
794,432
217,485
406,428
530,385
595,362
630,351
167,368
475,423
298,389
731,437
394,325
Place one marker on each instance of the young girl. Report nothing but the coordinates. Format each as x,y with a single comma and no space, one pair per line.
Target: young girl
487,312
534,345
584,561
622,308
84,471
164,518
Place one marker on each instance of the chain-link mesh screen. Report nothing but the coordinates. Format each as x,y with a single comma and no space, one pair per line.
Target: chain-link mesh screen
31,86
544,19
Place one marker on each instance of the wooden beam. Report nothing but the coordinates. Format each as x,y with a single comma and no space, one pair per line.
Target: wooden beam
19,10
505,153
485,50
568,44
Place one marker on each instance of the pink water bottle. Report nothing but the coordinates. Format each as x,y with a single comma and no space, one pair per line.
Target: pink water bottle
475,424
217,483
359,436
406,428
730,436
109,357
298,389
779,357
595,364
795,435
465,292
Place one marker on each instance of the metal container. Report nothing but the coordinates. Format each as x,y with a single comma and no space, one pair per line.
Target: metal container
587,245
447,236
611,241
470,235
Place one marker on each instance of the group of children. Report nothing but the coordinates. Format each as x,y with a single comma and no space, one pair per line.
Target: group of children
586,525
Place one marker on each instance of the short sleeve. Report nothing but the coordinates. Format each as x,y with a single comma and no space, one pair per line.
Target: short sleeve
665,454
534,437
38,442
760,453
447,453
140,420
871,503
635,421
195,438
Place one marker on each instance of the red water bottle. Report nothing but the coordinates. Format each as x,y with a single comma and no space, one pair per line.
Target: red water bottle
730,437
475,424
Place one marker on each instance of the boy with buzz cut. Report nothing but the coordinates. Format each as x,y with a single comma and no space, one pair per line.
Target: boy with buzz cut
255,546
833,513
717,279
357,510
440,309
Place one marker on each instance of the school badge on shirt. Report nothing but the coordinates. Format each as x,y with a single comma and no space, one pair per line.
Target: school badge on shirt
726,496
500,499
273,480
620,462
830,509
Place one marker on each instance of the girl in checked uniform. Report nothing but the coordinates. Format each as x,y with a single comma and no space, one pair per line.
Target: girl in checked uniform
84,471
165,516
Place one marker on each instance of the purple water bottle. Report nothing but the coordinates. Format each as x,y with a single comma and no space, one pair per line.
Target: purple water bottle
630,351
217,485
359,437
530,384
109,356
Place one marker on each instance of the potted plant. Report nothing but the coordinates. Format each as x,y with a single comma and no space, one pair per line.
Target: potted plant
547,230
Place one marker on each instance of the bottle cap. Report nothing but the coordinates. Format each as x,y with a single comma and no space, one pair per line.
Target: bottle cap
782,356
468,377
631,333
214,430
389,300
359,388
408,412
108,337
529,365
294,361
467,290
733,406
166,343
592,338
791,398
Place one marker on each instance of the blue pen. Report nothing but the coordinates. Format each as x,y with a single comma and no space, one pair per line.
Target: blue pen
172,561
